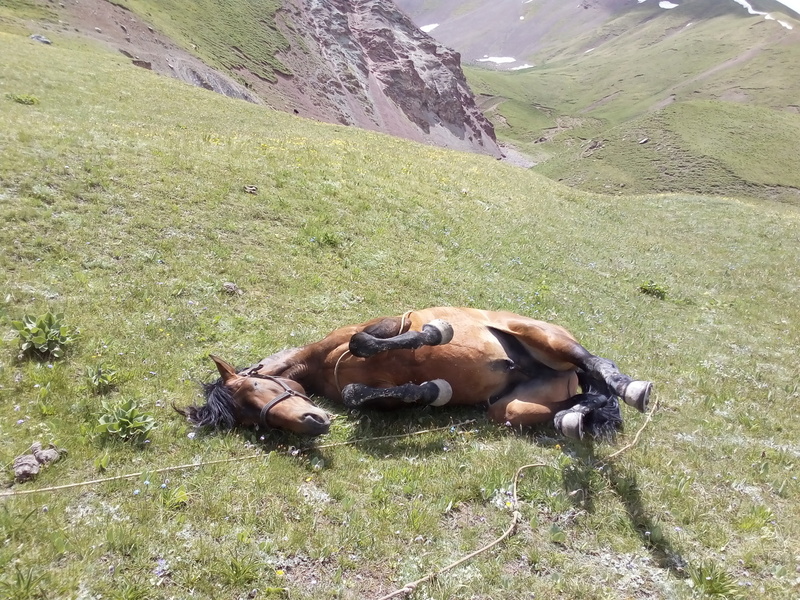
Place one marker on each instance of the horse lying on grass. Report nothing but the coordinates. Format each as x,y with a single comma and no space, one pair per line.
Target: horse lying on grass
527,371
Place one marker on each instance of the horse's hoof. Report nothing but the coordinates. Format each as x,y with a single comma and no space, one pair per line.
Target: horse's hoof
354,395
445,392
362,345
569,423
637,394
444,329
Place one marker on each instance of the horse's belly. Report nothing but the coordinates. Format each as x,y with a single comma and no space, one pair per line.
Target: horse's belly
474,363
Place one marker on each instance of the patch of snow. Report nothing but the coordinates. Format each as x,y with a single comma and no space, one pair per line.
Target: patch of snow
793,4
589,50
522,18
429,28
525,66
749,8
498,60
666,4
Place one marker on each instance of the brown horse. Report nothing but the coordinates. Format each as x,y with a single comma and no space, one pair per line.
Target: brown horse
527,371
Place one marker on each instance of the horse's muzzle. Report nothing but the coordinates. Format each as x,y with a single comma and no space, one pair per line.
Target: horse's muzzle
316,424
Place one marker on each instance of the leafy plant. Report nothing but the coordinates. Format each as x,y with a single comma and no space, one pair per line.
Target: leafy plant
26,99
711,579
45,336
101,379
651,288
240,570
175,498
23,585
126,421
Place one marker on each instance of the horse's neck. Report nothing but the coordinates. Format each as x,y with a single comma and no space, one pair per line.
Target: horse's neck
292,363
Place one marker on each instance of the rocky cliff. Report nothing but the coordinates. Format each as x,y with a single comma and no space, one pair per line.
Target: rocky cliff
364,63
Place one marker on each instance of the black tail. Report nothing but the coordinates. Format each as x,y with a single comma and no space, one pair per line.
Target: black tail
600,406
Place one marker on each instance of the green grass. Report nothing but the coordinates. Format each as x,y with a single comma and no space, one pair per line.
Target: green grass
231,35
705,146
122,206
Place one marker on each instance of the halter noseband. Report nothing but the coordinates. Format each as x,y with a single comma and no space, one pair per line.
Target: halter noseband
287,393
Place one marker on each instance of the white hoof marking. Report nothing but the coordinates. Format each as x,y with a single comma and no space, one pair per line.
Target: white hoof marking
445,392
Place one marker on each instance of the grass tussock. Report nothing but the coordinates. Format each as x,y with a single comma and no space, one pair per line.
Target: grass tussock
124,207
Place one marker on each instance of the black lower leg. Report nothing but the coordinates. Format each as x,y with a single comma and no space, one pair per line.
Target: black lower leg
364,345
356,395
605,376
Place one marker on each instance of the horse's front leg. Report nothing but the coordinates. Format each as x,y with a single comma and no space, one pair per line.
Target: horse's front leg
387,335
431,393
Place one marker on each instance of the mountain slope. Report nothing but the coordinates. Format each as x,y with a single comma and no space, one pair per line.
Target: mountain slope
357,63
594,87
533,31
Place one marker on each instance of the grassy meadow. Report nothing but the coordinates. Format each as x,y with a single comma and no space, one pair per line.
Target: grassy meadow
124,207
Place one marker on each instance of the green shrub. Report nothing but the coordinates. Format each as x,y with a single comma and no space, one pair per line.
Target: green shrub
125,421
26,99
45,336
101,379
651,288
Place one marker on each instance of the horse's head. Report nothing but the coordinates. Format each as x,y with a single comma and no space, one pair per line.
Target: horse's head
249,398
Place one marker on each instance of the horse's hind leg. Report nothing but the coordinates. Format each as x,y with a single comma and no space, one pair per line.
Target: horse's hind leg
434,393
386,335
555,347
535,402
556,399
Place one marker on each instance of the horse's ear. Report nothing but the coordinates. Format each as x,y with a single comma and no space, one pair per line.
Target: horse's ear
226,370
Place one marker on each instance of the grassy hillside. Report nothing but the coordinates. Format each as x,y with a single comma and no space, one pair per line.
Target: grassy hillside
232,35
644,74
123,205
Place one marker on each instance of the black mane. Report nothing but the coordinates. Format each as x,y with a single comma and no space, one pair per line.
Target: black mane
218,410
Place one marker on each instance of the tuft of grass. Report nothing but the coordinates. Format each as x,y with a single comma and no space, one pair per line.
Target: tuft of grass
712,581
651,288
44,337
26,99
101,379
125,421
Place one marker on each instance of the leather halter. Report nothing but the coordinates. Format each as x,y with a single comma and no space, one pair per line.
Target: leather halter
287,393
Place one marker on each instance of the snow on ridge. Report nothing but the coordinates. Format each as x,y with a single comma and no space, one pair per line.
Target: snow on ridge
793,5
429,28
498,60
750,9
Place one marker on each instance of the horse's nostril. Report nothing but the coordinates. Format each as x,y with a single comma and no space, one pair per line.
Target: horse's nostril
319,419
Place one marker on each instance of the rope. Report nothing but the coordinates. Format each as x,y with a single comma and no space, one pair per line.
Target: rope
516,517
403,318
226,460
336,370
635,441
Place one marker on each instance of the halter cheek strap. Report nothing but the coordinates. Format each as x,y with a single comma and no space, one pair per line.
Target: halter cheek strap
287,393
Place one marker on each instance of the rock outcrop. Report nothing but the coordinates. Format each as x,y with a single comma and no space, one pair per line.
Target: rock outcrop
378,71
